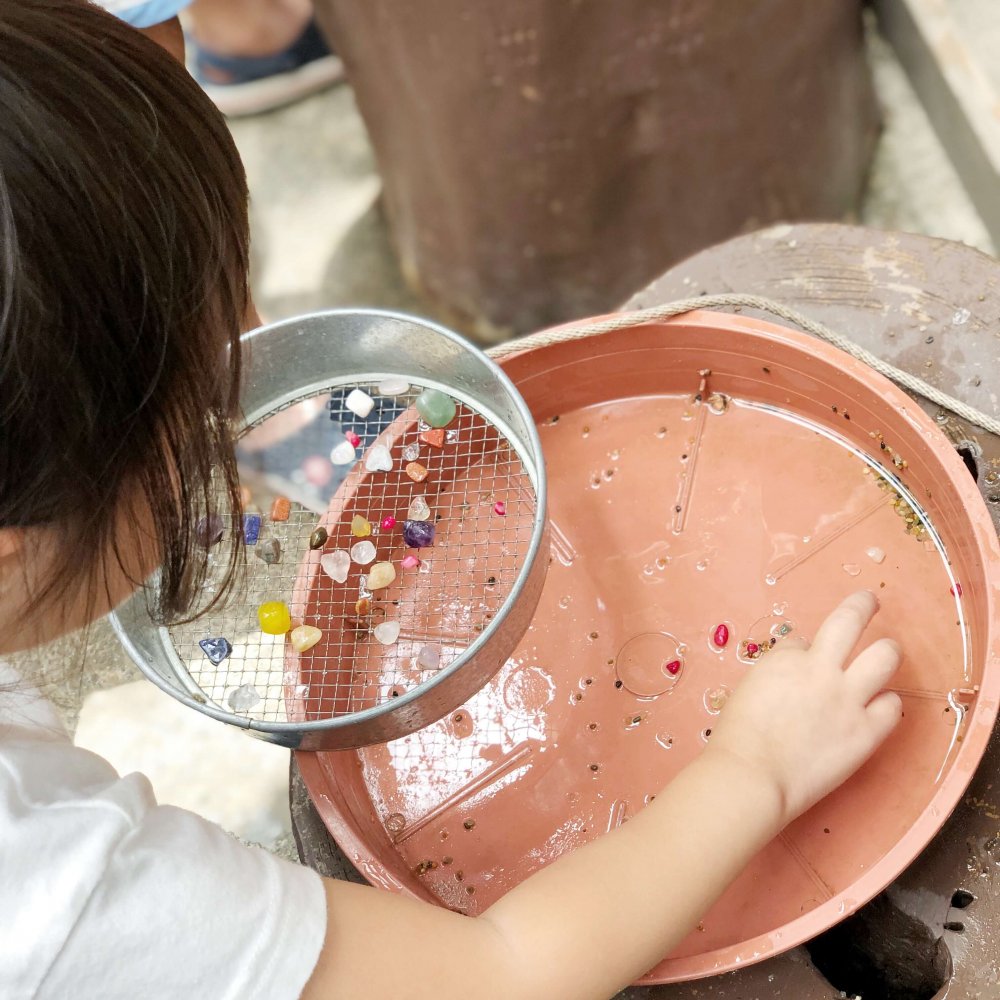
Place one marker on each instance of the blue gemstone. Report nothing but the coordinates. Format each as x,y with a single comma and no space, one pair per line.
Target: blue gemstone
418,534
251,528
216,649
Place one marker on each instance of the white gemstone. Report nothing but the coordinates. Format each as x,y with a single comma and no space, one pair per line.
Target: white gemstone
429,657
363,552
336,564
876,555
244,698
359,402
378,459
386,632
411,452
393,386
343,453
419,510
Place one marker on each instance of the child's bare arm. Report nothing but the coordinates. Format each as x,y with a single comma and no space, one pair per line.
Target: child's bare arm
594,920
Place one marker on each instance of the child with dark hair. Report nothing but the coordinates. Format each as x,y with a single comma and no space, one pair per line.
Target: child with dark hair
123,288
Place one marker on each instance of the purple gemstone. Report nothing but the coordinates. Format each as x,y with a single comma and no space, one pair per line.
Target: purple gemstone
216,649
251,528
209,530
418,534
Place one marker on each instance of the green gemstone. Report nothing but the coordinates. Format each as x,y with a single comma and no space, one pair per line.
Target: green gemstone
436,408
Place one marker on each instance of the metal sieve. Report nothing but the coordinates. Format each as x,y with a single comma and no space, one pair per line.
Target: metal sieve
391,658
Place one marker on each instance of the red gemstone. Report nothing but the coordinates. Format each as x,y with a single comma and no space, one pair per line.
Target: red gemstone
721,635
752,648
388,523
353,438
673,667
956,591
500,508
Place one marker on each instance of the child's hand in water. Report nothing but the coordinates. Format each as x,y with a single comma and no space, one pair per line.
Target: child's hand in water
806,717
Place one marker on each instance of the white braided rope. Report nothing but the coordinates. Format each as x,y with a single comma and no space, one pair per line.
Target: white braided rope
625,320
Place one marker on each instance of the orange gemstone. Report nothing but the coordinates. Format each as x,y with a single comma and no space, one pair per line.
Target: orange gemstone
281,508
435,437
416,472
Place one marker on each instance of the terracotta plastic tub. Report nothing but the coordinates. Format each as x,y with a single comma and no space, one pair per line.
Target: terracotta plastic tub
710,470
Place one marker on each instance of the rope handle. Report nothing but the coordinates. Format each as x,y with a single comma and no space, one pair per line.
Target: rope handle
625,320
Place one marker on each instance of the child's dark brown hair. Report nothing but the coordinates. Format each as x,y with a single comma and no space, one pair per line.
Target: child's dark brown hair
123,286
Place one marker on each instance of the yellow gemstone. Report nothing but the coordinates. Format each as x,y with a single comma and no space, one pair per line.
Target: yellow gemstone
305,637
360,526
274,617
381,575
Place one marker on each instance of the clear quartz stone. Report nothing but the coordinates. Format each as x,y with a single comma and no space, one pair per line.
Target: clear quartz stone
386,632
429,657
244,698
419,510
336,564
343,453
363,552
411,452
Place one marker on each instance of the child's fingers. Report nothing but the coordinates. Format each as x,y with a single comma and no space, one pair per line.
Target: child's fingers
839,634
872,668
884,713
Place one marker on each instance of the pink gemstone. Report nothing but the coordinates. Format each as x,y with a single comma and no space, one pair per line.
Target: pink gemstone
500,508
317,470
752,648
956,591
410,562
388,523
721,635
673,667
353,438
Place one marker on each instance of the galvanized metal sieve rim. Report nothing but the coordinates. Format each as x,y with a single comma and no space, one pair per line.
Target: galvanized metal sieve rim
525,444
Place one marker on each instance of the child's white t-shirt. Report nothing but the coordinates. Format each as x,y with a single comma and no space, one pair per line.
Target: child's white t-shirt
105,894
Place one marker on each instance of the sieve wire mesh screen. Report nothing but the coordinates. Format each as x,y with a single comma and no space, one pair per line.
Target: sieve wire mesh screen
477,500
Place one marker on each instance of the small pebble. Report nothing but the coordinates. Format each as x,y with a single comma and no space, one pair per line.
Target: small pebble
673,667
956,591
418,534
216,649
419,510
500,508
381,575
353,438
435,407
752,649
359,402
393,386
434,437
411,452
429,657
343,454
274,617
337,564
269,551
416,472
720,637
876,555
251,528
378,459
386,632
209,530
363,553
388,523
360,526
304,637
281,508
318,538
244,698
410,562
